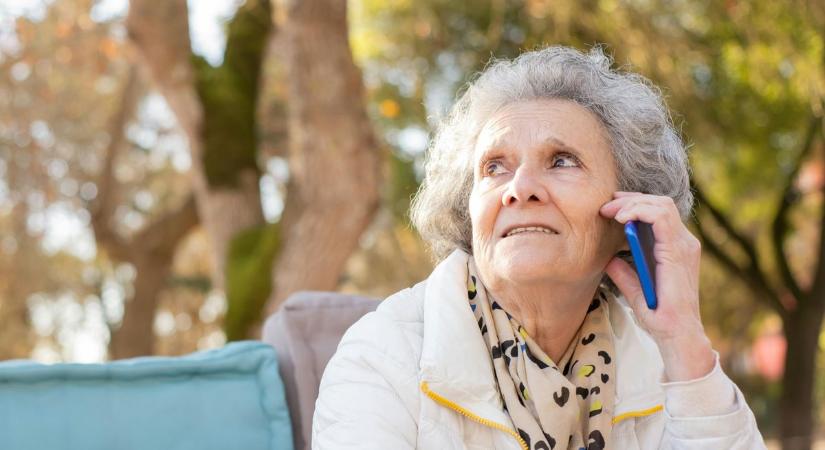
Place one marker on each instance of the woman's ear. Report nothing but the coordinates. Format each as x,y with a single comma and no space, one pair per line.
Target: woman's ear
618,240
622,246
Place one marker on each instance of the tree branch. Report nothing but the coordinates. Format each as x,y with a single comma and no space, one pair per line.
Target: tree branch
743,242
787,199
160,31
752,275
755,283
102,209
162,235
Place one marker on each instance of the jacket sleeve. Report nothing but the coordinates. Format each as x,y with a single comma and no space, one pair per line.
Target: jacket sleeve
709,412
368,397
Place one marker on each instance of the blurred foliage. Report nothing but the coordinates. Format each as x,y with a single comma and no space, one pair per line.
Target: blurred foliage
251,254
229,94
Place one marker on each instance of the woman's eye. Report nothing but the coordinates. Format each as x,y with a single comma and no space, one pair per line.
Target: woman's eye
493,168
571,161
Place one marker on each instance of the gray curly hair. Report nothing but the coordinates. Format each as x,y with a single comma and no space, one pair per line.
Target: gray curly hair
648,151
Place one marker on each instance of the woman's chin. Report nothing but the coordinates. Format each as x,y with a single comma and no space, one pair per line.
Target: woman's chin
528,265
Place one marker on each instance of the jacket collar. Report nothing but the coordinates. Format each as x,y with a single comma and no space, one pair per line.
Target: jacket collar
456,364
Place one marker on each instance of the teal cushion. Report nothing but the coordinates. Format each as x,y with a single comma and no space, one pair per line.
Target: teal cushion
229,398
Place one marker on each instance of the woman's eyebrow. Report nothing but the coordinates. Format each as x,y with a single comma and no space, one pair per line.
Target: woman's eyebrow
552,142
490,150
561,145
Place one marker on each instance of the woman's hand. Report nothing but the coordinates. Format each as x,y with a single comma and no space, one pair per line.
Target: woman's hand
675,324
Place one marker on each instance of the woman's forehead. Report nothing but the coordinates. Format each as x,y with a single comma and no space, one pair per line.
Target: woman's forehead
560,124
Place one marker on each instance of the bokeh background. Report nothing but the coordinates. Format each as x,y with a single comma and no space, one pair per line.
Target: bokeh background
170,171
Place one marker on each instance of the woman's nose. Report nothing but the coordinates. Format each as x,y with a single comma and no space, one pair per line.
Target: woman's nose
525,186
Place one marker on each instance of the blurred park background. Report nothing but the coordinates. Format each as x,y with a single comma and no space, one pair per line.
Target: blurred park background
171,171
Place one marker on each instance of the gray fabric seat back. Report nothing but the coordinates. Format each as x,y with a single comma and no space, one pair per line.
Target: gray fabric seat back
305,332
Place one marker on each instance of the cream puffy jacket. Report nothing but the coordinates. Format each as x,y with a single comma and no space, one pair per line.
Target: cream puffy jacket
416,374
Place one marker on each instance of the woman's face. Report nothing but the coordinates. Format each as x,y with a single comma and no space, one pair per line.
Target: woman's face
544,164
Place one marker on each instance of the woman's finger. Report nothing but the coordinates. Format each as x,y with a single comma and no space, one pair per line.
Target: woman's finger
610,208
634,197
666,223
626,279
619,194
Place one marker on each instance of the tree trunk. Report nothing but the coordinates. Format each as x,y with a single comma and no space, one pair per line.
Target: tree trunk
135,336
151,252
334,157
796,407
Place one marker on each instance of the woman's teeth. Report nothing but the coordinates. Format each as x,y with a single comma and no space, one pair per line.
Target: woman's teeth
525,229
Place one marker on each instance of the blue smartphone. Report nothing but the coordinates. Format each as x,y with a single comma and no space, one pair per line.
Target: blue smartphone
641,240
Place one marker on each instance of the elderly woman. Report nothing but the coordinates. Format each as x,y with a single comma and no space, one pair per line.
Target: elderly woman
532,332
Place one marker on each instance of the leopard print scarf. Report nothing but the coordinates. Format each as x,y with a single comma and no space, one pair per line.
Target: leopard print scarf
553,406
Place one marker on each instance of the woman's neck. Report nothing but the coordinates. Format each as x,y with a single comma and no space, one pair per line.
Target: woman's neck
551,313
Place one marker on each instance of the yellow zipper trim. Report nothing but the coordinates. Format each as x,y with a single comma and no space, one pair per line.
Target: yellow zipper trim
449,404
641,413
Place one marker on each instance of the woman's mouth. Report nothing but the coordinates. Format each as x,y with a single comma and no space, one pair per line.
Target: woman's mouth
522,230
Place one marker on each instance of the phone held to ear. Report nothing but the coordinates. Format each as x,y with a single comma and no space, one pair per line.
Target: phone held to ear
640,237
